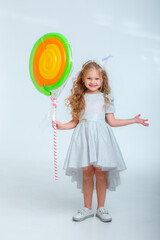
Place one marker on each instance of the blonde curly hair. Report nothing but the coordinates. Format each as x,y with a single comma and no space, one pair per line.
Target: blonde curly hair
76,100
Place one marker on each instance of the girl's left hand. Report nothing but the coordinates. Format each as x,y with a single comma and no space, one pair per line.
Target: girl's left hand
140,120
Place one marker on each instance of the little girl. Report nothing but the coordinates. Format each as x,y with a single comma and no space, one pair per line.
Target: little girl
94,155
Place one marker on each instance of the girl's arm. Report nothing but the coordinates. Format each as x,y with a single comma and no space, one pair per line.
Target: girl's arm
122,122
72,124
65,126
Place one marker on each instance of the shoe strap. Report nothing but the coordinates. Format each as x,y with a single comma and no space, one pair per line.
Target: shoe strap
82,210
103,210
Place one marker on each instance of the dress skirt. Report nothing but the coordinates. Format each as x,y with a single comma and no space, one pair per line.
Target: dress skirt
93,143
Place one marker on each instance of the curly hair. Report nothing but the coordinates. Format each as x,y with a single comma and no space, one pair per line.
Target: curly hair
76,100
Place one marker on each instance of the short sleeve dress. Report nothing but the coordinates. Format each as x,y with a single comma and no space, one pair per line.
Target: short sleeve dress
93,143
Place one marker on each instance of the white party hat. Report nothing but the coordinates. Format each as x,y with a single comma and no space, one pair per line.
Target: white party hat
102,62
99,61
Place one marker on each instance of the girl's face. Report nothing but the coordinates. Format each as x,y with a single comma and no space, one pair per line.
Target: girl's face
92,81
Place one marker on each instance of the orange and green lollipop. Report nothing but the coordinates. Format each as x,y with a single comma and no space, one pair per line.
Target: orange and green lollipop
50,65
50,62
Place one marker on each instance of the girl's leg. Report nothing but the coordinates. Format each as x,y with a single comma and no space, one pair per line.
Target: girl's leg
88,184
101,186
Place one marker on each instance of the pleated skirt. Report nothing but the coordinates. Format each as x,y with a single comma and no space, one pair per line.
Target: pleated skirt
93,143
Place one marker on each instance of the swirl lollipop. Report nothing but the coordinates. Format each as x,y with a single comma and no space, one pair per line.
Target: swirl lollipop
50,65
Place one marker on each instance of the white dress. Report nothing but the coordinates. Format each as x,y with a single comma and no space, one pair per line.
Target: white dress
93,143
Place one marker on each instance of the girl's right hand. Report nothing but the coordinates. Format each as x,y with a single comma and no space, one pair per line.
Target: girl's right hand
59,125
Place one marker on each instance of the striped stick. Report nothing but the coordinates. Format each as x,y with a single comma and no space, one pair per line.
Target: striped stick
54,103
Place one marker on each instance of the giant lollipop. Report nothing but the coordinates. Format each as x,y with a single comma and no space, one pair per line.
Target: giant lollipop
50,65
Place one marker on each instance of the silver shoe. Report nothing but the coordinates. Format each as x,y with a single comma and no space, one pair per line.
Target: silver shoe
82,214
103,214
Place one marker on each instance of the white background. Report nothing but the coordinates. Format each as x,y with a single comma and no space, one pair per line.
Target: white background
34,205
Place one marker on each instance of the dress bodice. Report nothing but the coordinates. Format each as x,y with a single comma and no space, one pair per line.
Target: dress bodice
96,107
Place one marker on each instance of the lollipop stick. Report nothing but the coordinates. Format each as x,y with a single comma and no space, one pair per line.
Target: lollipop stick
54,103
